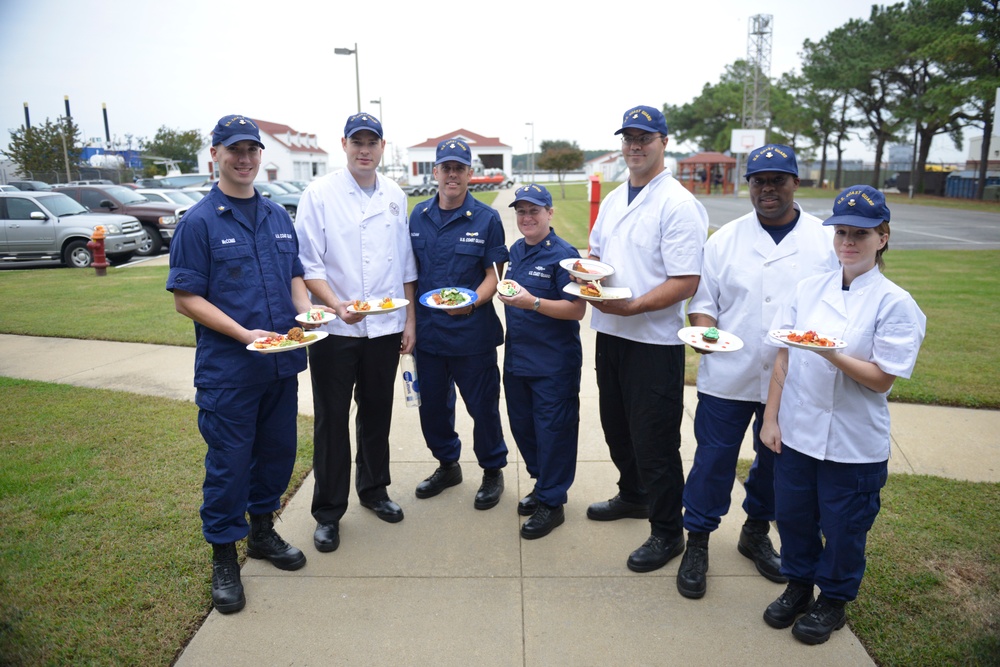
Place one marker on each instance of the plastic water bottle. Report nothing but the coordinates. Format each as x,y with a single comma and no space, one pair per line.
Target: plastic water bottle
411,386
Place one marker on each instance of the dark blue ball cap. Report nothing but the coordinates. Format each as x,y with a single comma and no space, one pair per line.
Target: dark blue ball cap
362,121
534,193
859,206
454,150
233,128
772,157
649,119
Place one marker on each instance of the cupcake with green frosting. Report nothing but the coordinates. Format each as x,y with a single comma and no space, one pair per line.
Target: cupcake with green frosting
710,335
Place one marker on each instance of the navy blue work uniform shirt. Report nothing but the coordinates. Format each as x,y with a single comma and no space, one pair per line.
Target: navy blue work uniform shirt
245,269
454,249
538,345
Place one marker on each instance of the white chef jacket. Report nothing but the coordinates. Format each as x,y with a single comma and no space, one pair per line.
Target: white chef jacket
823,413
745,277
359,245
659,235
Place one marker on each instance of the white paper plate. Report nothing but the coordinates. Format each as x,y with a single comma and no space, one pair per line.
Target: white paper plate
595,270
319,335
781,335
397,304
304,318
727,342
609,294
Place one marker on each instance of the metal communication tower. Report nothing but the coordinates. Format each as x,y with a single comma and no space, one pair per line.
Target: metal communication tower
757,87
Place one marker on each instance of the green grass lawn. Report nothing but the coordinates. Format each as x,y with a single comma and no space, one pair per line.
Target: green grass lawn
102,560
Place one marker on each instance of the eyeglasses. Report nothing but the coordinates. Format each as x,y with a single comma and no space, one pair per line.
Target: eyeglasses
639,139
774,181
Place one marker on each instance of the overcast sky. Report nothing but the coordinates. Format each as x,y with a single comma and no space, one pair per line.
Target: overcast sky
437,67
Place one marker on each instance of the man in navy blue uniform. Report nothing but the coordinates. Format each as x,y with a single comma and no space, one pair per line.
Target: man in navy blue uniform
234,270
542,360
459,242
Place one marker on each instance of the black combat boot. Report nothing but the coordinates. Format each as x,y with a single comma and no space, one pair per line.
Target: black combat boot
227,589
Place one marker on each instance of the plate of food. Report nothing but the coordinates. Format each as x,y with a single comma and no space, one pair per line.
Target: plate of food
377,306
508,288
587,269
806,340
315,316
710,339
447,298
595,291
295,338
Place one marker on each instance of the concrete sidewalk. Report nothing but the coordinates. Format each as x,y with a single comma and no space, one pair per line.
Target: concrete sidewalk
451,585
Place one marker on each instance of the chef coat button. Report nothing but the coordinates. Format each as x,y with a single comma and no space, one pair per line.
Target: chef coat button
766,367
767,300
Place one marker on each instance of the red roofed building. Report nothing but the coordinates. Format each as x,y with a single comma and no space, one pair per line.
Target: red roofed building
288,155
489,151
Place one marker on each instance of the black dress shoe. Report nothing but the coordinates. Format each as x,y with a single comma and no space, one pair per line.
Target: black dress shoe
490,490
795,601
527,505
327,537
543,521
691,581
824,617
385,509
265,543
756,545
227,589
655,553
616,508
447,474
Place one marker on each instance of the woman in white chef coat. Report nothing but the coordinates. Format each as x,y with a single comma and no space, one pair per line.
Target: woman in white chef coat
827,417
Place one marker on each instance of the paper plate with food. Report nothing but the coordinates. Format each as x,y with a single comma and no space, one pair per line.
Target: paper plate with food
595,291
315,316
293,340
377,306
508,288
447,298
710,339
806,340
587,269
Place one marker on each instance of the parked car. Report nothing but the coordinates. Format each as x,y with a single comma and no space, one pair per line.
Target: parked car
175,182
30,185
8,188
50,225
182,200
197,192
279,195
291,186
158,219
93,181
179,197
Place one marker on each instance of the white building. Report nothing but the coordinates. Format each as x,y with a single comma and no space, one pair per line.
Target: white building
488,150
288,155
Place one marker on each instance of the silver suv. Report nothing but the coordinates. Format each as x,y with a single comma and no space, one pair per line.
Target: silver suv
52,226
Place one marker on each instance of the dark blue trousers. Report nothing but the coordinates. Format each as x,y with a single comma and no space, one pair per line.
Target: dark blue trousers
478,378
544,417
252,437
824,499
719,427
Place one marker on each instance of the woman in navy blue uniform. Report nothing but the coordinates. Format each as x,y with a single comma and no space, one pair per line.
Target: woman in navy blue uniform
542,360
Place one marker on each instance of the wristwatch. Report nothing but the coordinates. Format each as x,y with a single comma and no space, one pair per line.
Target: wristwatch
538,304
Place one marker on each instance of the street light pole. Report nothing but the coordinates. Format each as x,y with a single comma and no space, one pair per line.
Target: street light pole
357,76
531,158
382,121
